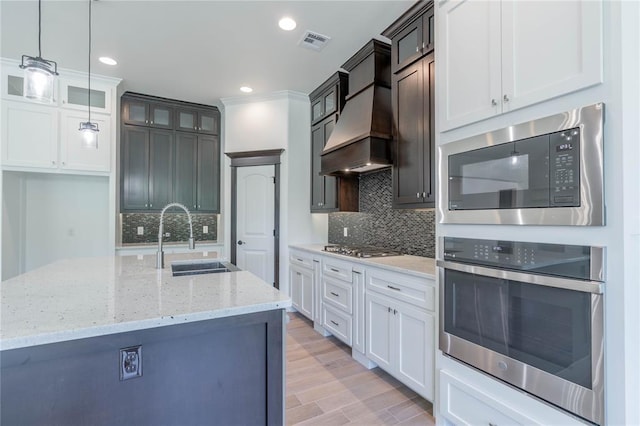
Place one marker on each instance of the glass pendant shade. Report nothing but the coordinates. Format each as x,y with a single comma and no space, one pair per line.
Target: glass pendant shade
38,78
89,134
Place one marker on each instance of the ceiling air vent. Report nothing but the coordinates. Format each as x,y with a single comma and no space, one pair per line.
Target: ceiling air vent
314,41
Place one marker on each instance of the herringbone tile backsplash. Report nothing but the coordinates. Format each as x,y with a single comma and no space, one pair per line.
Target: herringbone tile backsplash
378,224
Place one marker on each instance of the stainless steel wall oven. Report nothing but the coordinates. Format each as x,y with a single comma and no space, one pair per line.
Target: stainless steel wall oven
530,314
545,172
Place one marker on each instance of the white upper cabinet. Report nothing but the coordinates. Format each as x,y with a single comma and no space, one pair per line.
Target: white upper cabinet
74,154
29,135
498,56
45,137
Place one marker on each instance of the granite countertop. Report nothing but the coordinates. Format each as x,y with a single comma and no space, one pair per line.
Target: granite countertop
424,267
87,297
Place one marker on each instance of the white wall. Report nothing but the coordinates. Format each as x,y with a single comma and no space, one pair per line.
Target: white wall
620,236
47,217
278,120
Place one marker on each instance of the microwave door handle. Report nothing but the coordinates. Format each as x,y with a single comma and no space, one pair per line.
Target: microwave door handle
594,287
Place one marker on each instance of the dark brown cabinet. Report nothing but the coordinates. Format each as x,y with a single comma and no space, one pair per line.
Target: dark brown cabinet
197,172
413,112
140,112
159,164
329,193
411,35
200,121
413,95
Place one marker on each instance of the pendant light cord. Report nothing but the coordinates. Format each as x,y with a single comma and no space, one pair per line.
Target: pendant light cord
89,75
39,28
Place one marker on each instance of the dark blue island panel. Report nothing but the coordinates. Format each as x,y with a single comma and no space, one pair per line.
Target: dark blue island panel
226,371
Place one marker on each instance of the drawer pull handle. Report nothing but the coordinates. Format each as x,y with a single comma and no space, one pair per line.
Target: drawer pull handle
335,294
334,323
492,424
335,270
298,273
395,312
388,309
393,288
300,260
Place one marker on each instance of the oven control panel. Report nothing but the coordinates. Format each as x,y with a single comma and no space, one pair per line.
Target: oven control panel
550,259
564,168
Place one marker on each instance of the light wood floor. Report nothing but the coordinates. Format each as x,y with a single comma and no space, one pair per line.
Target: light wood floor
325,386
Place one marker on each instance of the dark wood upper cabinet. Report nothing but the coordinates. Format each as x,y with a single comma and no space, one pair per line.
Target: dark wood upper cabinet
413,98
411,35
329,193
161,163
328,98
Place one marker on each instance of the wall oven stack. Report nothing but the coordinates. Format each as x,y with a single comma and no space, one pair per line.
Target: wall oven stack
530,314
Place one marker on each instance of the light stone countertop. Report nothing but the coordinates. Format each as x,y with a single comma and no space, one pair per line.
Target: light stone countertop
87,297
423,267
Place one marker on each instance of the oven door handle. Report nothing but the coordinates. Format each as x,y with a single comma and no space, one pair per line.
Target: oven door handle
594,287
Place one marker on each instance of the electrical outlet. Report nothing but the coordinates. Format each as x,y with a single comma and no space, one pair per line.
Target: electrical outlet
345,231
140,230
130,363
205,229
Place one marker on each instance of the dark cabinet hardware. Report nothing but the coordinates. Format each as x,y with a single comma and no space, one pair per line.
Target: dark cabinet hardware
240,242
335,270
395,312
334,323
335,294
388,309
393,288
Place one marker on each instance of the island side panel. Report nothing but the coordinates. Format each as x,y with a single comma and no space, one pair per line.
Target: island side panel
222,371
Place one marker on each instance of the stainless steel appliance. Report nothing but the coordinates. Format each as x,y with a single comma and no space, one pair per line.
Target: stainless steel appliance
529,314
360,251
545,172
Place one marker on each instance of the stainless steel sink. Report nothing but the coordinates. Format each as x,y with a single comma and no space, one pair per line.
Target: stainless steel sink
200,266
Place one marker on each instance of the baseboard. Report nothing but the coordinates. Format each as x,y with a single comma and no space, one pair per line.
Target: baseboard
320,329
362,359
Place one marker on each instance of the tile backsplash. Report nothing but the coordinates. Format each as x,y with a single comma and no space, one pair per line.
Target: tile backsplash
176,224
378,224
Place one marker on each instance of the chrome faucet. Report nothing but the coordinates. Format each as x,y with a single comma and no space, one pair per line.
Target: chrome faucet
192,243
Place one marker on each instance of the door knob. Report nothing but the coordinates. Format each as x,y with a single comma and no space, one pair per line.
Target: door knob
240,242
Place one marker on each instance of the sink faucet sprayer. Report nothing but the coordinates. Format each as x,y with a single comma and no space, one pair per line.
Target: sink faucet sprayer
192,244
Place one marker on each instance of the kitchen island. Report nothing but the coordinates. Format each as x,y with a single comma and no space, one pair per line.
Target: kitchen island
212,345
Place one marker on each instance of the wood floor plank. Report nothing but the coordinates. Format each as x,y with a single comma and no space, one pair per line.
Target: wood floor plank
325,386
423,419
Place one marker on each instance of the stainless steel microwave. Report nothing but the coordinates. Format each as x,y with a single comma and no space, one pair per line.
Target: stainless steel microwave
544,172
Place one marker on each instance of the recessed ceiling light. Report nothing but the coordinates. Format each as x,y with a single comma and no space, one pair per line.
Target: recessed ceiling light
246,89
287,23
107,60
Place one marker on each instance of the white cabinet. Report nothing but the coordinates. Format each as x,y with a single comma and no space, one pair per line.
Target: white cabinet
337,298
401,327
74,154
498,56
400,339
301,283
45,137
29,135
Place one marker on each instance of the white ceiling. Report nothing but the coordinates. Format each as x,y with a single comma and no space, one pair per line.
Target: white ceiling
198,51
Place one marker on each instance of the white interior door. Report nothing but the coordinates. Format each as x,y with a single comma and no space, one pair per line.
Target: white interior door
255,221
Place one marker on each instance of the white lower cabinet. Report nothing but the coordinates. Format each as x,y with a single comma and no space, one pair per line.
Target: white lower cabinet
401,339
302,289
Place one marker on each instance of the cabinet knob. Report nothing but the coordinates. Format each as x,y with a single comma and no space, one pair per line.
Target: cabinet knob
199,206
240,242
388,309
493,102
53,162
150,205
151,121
146,205
424,195
505,98
417,49
146,121
64,163
423,45
395,312
417,195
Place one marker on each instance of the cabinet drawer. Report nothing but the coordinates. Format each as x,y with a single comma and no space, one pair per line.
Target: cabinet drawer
466,405
418,292
337,293
338,323
337,269
301,259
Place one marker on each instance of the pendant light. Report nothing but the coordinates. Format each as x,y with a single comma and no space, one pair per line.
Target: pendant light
89,130
39,73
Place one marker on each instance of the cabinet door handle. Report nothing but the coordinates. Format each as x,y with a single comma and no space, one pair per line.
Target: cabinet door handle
151,121
146,121
393,288
417,195
146,205
492,424
395,312
423,45
417,49
53,162
150,205
388,309
424,195
493,102
335,294
334,323
505,98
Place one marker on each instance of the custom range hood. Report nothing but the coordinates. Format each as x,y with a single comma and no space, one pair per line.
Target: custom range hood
361,139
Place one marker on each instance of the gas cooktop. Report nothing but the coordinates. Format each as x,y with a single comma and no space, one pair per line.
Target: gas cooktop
360,251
